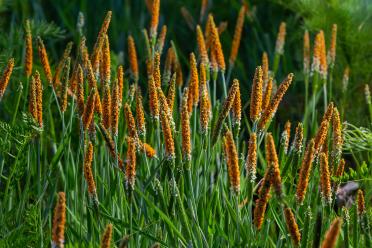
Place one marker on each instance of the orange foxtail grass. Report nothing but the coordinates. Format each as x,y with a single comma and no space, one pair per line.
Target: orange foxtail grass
267,94
111,145
133,63
306,52
84,52
65,83
106,237
265,68
237,35
4,81
115,108
216,46
272,159
232,161
340,169
323,56
88,174
194,82
315,66
332,49
106,60
39,98
106,106
292,226
164,107
286,134
305,170
263,198
321,135
168,64
280,40
89,108
325,180
168,137
120,77
251,161
154,19
140,114
130,169
361,207
156,70
59,221
185,127
201,46
208,31
298,139
236,109
44,60
61,64
337,140
256,95
148,150
161,39
129,119
274,103
213,64
29,50
171,94
227,105
80,90
153,98
332,234
205,104
92,82
32,104
100,39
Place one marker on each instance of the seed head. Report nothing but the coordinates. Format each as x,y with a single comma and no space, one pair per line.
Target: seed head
161,39
154,18
265,68
273,105
29,51
133,63
106,237
272,159
171,95
321,135
59,221
44,59
298,139
39,98
280,40
237,109
61,64
361,204
32,104
286,134
140,114
120,77
267,95
251,162
216,46
306,166
130,122
340,168
80,90
332,234
153,98
205,105
106,106
170,61
130,169
292,226
156,70
263,198
115,108
88,158
193,83
89,108
201,46
168,137
337,137
256,95
325,181
106,60
306,52
185,126
237,35
65,83
232,162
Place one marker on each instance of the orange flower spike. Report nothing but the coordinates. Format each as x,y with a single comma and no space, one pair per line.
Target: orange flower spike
292,226
232,162
65,83
115,108
44,60
32,105
171,94
59,221
272,159
332,234
194,80
325,181
361,206
256,95
88,174
265,68
237,35
201,46
140,114
4,81
305,170
306,52
130,169
273,105
106,106
80,90
29,50
321,135
251,162
106,237
39,98
168,138
280,40
154,18
216,46
106,60
129,119
89,108
156,70
237,109
267,95
153,99
185,127
120,77
133,62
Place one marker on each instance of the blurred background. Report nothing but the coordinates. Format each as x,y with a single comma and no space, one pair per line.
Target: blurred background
56,22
